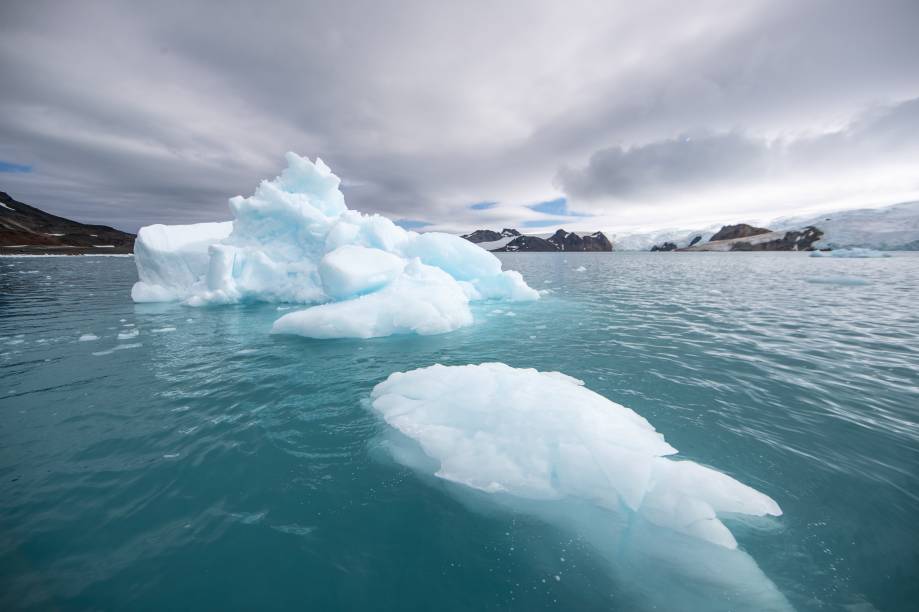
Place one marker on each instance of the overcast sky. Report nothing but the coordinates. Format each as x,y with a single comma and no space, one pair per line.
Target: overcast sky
461,115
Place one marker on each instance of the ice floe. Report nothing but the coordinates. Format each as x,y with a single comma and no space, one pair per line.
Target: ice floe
544,436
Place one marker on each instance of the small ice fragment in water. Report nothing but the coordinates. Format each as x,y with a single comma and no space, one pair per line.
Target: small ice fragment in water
163,330
127,335
294,529
88,338
119,347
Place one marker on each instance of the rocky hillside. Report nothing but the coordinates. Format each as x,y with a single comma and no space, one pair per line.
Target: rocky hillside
571,241
490,236
749,238
741,230
25,229
510,240
744,237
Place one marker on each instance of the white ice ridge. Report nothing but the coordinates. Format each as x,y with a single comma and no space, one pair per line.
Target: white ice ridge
295,240
544,436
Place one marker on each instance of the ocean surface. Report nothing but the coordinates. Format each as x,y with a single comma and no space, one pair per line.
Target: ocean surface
188,460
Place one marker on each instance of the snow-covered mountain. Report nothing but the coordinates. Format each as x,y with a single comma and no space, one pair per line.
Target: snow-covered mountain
643,241
889,228
892,228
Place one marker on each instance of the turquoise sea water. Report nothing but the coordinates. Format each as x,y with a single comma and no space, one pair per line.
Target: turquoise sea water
204,464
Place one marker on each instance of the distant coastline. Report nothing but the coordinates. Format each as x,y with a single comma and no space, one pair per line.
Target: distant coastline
889,228
27,230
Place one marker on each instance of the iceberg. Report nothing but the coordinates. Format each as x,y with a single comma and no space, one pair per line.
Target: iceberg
295,241
544,436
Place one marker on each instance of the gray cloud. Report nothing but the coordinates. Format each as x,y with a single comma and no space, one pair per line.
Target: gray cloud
158,112
692,161
676,163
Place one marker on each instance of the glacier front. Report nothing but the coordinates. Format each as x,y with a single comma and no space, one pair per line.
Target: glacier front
544,436
294,240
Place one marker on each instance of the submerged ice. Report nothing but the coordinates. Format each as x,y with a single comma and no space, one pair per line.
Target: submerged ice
544,436
294,240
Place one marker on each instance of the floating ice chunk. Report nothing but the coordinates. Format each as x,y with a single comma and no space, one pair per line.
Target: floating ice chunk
119,347
128,334
163,330
352,270
170,259
294,529
295,241
88,337
851,252
580,269
423,300
544,436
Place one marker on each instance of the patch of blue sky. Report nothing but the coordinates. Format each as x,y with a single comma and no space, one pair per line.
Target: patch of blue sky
411,224
558,206
10,167
543,222
483,205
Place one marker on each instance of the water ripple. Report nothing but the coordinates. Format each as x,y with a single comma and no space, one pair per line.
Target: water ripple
218,466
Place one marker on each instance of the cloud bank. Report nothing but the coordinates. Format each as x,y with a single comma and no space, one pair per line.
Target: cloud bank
882,137
134,114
